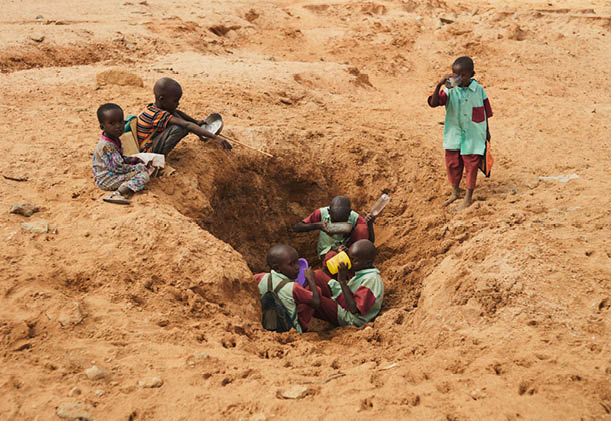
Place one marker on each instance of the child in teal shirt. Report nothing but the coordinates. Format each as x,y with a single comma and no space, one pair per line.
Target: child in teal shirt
466,126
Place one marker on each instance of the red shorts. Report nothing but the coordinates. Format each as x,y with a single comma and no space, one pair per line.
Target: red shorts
455,162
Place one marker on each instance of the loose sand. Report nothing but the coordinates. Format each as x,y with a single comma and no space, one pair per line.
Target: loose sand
498,312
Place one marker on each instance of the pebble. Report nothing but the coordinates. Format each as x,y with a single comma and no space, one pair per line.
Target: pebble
40,17
39,227
74,411
24,209
151,383
95,373
75,391
99,392
295,392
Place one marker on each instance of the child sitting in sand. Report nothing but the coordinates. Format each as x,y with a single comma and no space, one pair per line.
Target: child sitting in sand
300,303
111,169
161,126
339,210
353,301
465,130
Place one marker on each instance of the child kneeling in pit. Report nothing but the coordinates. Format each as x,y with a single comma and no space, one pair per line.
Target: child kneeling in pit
111,169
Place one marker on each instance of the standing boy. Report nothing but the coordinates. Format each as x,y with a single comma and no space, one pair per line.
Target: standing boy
465,128
161,125
339,210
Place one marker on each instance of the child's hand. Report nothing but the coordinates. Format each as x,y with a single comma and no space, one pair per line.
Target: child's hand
342,271
309,275
369,218
224,144
444,79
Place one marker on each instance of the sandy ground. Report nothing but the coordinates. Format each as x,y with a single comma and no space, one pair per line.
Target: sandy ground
498,312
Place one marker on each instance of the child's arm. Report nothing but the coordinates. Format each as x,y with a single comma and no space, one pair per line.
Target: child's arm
315,301
342,277
194,128
186,117
434,99
370,220
303,227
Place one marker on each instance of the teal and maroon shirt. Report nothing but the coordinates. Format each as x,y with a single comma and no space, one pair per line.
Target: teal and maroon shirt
467,111
368,291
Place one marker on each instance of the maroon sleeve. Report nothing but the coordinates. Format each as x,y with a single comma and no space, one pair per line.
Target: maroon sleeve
488,108
301,295
364,299
259,276
443,98
313,218
360,232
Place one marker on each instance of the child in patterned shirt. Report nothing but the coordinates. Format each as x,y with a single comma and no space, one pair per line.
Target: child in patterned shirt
111,169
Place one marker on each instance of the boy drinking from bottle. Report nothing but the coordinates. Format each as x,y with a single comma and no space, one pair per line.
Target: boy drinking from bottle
465,128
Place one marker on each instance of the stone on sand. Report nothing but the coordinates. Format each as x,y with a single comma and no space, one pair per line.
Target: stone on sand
151,383
294,392
24,209
74,411
95,373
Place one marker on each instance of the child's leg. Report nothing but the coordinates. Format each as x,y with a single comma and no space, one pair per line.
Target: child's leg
137,180
322,281
327,310
167,140
471,167
454,168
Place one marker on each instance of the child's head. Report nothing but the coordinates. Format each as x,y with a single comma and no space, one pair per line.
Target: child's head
463,67
167,94
285,260
339,209
111,120
362,254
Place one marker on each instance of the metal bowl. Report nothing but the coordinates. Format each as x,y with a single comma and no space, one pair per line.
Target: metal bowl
213,123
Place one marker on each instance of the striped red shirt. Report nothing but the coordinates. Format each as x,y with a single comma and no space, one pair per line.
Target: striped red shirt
151,121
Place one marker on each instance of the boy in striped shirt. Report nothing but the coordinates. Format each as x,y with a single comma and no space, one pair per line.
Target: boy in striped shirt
161,125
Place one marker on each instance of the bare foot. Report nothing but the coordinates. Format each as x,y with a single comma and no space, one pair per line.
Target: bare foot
455,196
465,203
452,199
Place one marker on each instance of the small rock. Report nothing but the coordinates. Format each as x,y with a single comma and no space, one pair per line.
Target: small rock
99,392
24,209
75,391
151,383
447,19
37,38
74,411
439,24
163,322
295,392
95,373
474,11
39,227
40,17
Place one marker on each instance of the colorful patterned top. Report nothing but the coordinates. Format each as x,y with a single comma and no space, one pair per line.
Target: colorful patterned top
109,162
151,121
368,290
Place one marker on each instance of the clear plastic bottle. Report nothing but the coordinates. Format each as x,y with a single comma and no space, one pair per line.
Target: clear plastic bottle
379,205
453,81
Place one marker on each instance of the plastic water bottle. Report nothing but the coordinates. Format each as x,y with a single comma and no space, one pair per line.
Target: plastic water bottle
453,81
379,205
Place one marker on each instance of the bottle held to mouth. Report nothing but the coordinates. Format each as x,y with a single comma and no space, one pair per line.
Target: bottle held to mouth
453,81
379,205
